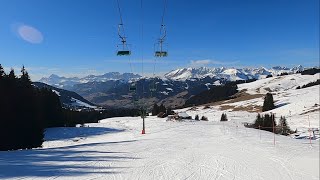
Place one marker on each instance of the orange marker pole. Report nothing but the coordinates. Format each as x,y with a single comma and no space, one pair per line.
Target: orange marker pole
143,124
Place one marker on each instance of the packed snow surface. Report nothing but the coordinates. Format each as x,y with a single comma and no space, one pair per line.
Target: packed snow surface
115,149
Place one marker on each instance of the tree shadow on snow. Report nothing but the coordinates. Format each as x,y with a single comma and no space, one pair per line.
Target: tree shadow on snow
74,160
62,133
281,104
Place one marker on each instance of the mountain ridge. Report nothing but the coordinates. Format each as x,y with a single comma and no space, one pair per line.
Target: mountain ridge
231,74
68,82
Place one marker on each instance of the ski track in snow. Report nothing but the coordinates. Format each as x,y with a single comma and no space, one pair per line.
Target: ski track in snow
169,150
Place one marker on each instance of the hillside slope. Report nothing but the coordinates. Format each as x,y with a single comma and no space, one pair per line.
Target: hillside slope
299,106
67,98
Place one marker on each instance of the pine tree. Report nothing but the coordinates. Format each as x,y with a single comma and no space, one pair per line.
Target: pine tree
25,79
2,76
259,121
2,73
11,75
204,118
155,109
162,109
223,117
268,103
169,111
269,122
284,128
50,108
21,126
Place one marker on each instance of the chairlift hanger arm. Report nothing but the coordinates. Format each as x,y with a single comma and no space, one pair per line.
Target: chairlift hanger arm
163,32
123,39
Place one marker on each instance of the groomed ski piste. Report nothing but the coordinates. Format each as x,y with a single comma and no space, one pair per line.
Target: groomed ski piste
188,149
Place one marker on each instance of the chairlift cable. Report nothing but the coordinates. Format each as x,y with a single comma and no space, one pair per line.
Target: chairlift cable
142,49
121,33
119,12
143,105
162,32
141,6
121,21
164,11
125,46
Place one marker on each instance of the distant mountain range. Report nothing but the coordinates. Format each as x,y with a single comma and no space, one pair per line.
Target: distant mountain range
173,89
67,83
230,74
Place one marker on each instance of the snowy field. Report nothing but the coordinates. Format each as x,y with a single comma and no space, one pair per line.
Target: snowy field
299,106
115,149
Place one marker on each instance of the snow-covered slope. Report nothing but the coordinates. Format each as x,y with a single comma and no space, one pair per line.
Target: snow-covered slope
281,83
299,106
115,149
230,74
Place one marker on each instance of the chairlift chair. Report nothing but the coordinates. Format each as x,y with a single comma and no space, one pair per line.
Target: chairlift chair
161,54
160,49
123,53
132,87
124,47
123,50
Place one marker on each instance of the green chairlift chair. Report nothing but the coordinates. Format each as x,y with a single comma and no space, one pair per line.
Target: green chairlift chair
161,54
123,53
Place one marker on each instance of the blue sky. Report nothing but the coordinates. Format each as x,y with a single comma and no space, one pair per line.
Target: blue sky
77,38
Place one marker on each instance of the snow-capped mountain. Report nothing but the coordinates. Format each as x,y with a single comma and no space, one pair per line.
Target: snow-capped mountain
67,83
231,74
226,74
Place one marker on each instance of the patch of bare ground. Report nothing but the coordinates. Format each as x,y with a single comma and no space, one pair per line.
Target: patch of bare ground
240,96
250,108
